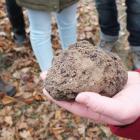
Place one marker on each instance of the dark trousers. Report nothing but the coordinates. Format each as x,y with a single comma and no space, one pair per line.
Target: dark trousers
108,19
16,18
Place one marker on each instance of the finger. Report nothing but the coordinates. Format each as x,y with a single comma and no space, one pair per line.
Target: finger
98,118
43,75
46,93
100,104
83,111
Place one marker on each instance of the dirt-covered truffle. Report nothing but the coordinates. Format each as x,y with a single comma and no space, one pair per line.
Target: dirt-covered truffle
83,67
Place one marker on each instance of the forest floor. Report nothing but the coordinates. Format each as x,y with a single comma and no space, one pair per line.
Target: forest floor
29,115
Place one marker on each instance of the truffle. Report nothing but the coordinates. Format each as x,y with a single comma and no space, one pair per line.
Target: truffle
83,67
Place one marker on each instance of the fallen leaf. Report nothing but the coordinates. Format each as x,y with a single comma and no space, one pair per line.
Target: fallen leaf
8,120
8,100
25,134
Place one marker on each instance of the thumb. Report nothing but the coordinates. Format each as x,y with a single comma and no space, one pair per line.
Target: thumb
100,104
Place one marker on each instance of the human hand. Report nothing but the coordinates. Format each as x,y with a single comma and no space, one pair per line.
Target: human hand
43,75
122,109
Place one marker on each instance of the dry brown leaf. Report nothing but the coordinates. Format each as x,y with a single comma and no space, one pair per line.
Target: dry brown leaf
2,14
39,98
22,125
25,135
58,114
8,120
8,100
58,130
7,134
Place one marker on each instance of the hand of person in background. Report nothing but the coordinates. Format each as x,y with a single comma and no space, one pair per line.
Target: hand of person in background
43,75
122,109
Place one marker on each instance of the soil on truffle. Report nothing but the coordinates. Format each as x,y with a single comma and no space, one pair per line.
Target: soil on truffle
84,67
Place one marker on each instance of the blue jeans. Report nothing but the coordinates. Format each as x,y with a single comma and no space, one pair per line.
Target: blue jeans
109,24
40,28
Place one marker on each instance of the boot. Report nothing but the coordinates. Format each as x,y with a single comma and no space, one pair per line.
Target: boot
20,39
107,45
136,57
107,42
7,88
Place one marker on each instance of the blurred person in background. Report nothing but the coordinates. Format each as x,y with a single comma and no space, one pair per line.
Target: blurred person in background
110,27
16,18
39,13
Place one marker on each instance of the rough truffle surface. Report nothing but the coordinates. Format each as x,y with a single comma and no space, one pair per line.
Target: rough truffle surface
83,67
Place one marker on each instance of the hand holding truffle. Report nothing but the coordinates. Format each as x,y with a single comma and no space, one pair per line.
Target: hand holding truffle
89,77
122,109
83,67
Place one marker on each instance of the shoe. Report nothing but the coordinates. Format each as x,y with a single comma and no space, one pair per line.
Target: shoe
6,61
20,40
107,45
136,57
8,89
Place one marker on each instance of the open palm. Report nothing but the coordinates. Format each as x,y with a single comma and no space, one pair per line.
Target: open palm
122,109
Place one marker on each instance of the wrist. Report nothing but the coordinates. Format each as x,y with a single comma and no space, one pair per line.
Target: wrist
138,70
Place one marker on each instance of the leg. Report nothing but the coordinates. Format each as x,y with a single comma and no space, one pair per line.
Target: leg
40,28
16,17
67,23
133,26
107,14
133,21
